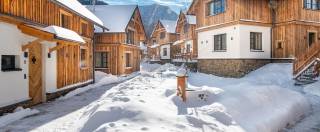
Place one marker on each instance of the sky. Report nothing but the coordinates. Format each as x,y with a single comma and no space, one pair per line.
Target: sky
175,5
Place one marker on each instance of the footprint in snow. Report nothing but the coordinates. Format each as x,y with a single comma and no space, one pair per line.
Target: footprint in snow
144,129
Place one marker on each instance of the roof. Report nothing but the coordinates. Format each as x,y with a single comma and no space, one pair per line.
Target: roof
115,17
62,33
191,19
76,7
169,25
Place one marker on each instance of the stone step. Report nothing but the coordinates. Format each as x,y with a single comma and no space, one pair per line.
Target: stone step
304,82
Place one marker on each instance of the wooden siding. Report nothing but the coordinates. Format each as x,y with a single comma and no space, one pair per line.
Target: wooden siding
45,13
115,44
169,37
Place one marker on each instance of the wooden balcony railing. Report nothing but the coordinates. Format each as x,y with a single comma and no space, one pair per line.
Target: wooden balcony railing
303,60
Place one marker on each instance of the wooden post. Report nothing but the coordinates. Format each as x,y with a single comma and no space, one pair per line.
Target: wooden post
181,87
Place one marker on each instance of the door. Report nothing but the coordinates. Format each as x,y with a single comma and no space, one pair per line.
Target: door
35,73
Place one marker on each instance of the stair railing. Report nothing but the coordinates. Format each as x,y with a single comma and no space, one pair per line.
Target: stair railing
302,61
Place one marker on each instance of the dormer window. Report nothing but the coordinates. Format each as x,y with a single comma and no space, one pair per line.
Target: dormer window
312,4
215,7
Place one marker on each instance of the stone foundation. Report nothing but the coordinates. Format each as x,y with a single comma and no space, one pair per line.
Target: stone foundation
235,68
10,108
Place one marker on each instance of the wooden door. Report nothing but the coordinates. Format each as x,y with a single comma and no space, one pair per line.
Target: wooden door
35,73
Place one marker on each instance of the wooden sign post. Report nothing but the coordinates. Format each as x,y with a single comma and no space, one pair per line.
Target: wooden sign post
182,84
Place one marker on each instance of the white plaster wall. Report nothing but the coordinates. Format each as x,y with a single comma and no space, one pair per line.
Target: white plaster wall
13,86
245,51
206,41
168,51
49,67
238,43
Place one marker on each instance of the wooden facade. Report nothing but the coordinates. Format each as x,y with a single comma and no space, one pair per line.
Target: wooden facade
187,34
290,21
118,48
43,13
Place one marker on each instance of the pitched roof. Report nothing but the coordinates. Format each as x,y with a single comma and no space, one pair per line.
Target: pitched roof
76,7
169,25
115,17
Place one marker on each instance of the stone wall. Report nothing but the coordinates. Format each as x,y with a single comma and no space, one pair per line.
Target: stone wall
235,68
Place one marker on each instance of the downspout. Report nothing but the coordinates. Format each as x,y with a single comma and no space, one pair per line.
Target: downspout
93,58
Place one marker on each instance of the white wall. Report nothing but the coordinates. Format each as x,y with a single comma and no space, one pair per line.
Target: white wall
13,86
168,51
238,43
49,68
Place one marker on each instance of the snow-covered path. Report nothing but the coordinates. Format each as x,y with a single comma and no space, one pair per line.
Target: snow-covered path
148,103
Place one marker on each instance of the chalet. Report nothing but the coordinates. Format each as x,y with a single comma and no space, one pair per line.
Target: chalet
46,50
186,47
238,36
117,51
162,38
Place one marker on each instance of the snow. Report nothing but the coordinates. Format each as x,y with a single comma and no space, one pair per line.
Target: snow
313,88
75,6
17,115
181,72
154,46
265,101
115,17
169,25
63,33
178,42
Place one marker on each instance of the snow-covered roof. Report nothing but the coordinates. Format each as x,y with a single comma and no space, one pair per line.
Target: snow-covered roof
178,42
155,46
115,17
169,25
191,19
63,33
76,6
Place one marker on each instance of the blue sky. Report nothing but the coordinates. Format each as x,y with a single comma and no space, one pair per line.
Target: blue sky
176,5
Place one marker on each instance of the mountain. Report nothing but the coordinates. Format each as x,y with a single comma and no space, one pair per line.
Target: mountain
88,2
152,13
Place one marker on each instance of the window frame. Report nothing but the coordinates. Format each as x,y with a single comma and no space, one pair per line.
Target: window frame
130,37
254,47
104,60
165,52
212,10
309,5
82,31
69,15
14,60
128,59
84,61
315,37
221,37
162,35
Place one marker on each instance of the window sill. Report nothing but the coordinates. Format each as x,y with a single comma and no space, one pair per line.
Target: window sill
256,51
11,70
219,51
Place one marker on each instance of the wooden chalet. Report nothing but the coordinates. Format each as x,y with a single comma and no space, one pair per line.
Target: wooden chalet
117,51
161,40
238,36
46,50
186,47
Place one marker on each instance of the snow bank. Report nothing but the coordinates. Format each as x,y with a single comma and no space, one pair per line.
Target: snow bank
215,104
17,115
313,89
101,80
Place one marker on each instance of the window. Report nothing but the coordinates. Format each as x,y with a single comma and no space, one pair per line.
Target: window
130,37
188,48
9,63
311,38
154,42
165,51
128,60
65,20
215,7
185,28
84,29
162,35
279,46
220,42
255,41
102,59
83,58
312,4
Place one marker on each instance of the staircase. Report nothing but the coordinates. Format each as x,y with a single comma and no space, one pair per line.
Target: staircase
306,67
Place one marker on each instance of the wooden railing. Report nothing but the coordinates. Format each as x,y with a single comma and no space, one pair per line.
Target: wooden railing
303,60
190,56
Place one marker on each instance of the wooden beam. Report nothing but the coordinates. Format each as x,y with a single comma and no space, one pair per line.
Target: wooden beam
57,47
30,44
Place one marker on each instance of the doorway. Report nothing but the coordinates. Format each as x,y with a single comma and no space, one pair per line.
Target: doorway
35,73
